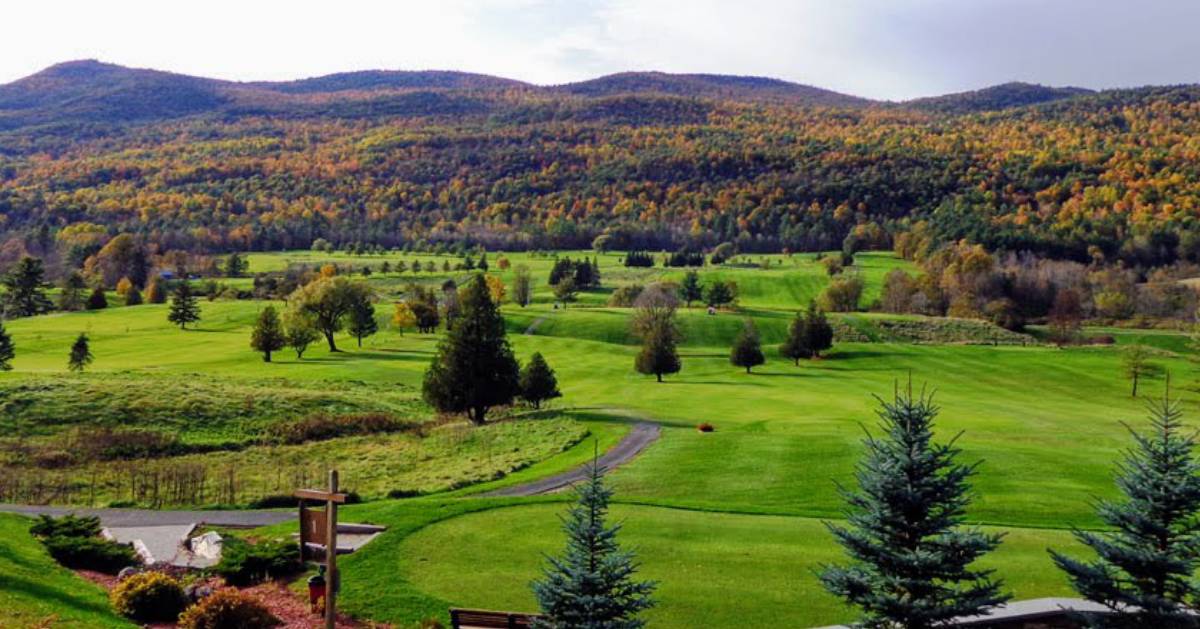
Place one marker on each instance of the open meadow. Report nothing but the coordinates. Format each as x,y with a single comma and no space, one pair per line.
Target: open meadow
735,514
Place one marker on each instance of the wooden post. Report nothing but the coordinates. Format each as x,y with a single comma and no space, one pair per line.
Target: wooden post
313,519
331,586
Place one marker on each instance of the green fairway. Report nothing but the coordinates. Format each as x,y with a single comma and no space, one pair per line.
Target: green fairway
732,515
37,592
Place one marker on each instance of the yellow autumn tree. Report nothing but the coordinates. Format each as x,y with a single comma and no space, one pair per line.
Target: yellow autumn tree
403,317
124,286
496,287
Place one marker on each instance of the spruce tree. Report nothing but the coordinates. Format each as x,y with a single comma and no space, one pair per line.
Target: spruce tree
474,368
362,319
184,308
97,300
820,333
690,289
910,552
81,354
70,296
268,335
1144,567
8,350
592,584
538,382
796,345
747,349
235,266
25,293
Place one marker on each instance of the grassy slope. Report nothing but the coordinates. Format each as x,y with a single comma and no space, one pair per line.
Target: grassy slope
35,591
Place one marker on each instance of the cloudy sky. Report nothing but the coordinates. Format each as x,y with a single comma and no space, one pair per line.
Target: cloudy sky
891,49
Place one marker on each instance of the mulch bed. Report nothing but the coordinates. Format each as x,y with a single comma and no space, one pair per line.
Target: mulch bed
287,606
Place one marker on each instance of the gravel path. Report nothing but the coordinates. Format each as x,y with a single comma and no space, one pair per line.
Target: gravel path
640,436
643,434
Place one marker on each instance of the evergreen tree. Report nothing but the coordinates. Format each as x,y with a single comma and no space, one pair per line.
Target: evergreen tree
97,300
268,335
474,368
747,349
25,295
908,547
70,296
796,345
1144,567
8,350
718,294
537,381
362,319
133,297
820,333
592,584
184,307
690,289
81,354
235,266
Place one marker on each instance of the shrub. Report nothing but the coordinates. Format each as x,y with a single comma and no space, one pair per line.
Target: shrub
90,553
705,427
149,597
405,493
228,609
320,427
625,296
66,526
246,564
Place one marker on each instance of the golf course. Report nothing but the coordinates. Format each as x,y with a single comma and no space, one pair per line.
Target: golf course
735,514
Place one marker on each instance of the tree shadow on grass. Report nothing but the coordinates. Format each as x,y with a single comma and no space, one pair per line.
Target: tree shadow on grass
39,592
607,416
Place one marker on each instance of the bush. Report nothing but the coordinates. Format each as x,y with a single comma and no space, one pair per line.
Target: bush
321,427
625,296
705,427
90,553
228,609
149,597
66,526
246,564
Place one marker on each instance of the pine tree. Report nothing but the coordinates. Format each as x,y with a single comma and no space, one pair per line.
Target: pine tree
474,368
592,584
1144,568
81,354
690,289
97,300
25,295
362,319
184,307
796,345
908,547
820,333
268,335
235,266
70,296
747,349
538,382
8,351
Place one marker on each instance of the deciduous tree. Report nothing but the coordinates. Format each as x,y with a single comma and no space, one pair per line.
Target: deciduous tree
8,350
747,349
268,335
796,345
522,286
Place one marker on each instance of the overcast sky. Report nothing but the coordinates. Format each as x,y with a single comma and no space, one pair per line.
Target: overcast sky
891,49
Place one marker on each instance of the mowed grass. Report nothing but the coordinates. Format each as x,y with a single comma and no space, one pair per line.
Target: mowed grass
37,592
729,522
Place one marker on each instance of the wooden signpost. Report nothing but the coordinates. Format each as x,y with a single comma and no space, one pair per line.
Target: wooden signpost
320,527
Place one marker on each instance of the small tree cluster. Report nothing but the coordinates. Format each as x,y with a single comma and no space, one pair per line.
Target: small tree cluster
639,259
809,334
585,273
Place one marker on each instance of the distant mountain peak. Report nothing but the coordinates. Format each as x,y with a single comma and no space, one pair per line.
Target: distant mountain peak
996,98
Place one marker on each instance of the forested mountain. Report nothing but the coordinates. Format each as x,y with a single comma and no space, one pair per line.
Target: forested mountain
655,160
995,98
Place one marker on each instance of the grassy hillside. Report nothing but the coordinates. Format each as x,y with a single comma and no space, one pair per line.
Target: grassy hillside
37,592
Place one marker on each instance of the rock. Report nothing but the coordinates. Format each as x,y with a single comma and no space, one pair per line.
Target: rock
126,572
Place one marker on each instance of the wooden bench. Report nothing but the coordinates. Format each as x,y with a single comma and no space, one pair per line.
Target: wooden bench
483,619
